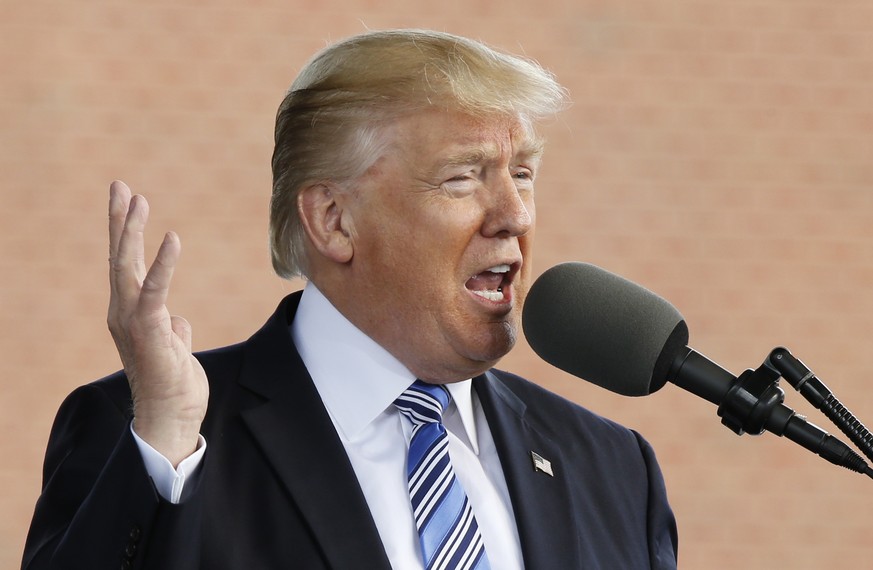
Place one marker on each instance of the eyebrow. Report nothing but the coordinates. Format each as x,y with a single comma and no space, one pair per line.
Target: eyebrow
530,149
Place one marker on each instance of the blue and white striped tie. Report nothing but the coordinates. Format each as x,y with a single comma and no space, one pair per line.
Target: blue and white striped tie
447,529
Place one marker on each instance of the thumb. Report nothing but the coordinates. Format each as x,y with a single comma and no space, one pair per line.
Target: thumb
182,328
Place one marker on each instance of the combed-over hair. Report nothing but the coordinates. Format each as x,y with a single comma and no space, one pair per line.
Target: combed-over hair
329,125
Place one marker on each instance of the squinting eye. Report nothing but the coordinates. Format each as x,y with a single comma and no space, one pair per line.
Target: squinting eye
461,179
459,185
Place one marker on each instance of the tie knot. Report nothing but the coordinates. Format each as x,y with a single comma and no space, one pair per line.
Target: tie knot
423,403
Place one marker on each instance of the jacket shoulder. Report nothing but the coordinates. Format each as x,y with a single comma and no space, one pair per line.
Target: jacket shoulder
556,414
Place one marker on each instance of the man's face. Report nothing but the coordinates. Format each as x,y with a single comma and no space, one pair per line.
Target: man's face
442,228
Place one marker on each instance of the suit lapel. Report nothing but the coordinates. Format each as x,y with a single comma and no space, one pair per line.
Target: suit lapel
538,499
297,436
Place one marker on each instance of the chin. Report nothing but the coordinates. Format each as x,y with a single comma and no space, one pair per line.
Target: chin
495,346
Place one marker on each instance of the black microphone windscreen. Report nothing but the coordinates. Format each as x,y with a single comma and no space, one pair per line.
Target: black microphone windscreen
603,328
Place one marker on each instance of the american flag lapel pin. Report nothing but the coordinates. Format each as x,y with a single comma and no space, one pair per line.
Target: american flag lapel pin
541,464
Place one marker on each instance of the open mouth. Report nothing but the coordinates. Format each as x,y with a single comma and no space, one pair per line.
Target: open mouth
493,283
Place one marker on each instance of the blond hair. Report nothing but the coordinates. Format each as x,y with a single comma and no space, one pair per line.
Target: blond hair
329,125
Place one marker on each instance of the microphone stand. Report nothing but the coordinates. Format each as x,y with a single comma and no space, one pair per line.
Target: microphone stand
815,391
753,403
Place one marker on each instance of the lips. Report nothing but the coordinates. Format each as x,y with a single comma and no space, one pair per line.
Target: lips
493,283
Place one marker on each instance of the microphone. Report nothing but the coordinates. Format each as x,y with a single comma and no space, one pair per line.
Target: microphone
620,336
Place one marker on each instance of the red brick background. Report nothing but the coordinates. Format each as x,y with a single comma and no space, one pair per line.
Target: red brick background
720,153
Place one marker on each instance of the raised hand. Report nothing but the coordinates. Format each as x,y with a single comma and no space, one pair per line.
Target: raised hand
169,387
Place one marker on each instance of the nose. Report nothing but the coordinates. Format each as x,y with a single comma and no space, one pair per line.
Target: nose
510,211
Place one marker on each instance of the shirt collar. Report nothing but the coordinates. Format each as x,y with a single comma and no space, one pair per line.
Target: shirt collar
356,378
462,396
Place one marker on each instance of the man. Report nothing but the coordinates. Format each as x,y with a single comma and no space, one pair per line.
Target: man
403,191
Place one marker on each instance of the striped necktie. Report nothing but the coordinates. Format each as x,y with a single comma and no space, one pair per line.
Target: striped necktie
447,529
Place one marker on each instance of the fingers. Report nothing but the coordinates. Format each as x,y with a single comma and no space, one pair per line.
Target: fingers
127,220
119,202
156,284
134,290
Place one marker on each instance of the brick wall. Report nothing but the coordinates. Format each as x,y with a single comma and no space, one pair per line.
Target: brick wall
720,153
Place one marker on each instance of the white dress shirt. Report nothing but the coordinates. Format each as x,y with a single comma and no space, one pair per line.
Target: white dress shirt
358,382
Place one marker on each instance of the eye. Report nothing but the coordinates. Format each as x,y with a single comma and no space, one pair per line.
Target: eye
523,175
461,184
460,178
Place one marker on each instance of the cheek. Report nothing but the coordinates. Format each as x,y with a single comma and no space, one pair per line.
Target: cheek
447,235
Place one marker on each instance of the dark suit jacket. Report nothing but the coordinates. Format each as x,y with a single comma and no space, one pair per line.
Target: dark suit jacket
277,489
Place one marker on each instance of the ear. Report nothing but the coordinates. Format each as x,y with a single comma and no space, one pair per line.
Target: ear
326,221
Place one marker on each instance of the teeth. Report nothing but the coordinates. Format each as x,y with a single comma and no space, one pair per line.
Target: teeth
502,268
490,295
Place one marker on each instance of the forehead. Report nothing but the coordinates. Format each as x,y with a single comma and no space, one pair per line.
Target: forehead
446,136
